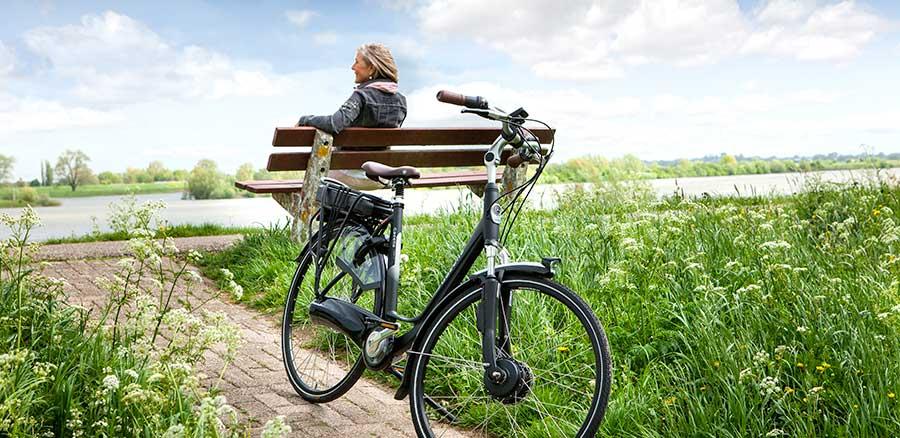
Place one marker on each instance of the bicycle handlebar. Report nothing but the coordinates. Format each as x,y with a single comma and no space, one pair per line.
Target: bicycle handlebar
514,136
475,102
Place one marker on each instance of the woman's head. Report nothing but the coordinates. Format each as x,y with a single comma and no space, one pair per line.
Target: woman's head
374,61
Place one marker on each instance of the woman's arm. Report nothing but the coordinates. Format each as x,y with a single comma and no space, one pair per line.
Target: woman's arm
336,122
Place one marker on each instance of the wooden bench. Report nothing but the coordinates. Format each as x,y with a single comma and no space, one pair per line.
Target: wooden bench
419,147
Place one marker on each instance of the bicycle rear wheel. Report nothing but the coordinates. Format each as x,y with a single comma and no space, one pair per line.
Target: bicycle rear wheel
556,344
322,363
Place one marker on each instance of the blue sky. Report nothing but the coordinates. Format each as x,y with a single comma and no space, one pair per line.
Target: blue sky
132,82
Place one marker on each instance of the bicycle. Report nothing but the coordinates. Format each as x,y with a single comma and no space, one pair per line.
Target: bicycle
507,350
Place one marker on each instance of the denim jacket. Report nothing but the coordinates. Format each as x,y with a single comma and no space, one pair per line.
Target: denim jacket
373,104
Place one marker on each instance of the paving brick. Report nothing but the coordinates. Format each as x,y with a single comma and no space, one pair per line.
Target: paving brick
272,400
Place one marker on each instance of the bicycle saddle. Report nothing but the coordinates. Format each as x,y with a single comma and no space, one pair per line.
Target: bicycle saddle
376,170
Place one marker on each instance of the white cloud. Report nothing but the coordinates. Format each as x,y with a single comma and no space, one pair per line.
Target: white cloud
595,39
113,58
31,115
325,38
300,18
7,60
396,5
784,11
835,32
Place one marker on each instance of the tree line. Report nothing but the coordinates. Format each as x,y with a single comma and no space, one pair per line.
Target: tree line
204,181
595,169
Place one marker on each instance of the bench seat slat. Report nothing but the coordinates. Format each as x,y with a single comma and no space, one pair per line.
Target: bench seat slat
381,137
341,159
430,180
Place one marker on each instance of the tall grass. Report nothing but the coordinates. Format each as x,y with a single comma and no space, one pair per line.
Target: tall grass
726,317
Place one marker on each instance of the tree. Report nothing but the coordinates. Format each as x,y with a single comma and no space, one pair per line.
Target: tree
204,180
109,178
244,172
6,167
72,167
48,173
158,172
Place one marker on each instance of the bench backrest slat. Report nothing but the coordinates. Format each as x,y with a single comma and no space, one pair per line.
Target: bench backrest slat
281,161
381,137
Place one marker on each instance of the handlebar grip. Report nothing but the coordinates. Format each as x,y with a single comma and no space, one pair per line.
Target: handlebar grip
474,102
451,98
515,160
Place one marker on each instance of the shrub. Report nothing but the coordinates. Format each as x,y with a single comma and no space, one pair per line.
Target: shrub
206,182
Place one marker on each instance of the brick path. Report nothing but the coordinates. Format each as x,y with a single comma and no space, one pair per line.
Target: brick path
256,383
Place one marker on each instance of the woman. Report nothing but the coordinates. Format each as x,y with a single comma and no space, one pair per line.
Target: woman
375,103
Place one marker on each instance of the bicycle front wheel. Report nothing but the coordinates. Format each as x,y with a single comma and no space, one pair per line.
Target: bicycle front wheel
554,341
322,363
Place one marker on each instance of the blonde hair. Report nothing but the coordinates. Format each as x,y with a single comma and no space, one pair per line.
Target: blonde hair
379,57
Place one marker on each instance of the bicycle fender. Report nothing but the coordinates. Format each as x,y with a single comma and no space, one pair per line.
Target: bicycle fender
476,279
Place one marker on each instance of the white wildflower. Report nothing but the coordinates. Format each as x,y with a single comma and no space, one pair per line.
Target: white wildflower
692,266
227,274
775,244
802,329
761,358
110,383
775,432
749,288
276,428
194,277
174,431
769,386
236,290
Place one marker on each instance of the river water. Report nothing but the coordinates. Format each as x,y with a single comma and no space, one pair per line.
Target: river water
77,216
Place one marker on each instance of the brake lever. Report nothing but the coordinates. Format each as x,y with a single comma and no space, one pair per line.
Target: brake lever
477,112
487,114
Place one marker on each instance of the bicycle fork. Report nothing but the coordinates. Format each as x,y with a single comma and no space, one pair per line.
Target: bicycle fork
491,287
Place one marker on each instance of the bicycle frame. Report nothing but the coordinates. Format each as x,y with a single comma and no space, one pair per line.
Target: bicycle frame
485,237
495,301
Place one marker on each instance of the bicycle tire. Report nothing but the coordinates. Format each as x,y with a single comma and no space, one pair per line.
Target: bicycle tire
325,372
565,382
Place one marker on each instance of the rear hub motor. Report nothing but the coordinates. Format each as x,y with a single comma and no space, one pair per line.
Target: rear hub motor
510,382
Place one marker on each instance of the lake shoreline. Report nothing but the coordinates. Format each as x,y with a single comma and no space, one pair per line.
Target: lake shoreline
79,216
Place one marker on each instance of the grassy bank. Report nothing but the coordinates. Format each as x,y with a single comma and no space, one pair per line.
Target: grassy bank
725,317
183,230
102,189
8,203
600,169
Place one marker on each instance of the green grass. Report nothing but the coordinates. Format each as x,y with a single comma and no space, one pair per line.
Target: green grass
705,302
8,203
183,230
103,189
